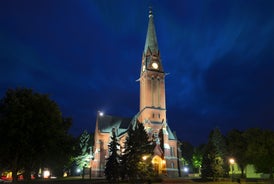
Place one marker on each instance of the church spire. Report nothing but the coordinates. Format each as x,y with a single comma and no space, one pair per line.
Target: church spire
151,39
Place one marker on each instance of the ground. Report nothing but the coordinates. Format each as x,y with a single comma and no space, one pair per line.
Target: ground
78,180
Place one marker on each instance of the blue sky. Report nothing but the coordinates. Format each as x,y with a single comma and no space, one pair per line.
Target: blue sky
86,55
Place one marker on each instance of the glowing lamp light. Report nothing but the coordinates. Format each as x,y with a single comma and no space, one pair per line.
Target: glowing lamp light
185,169
78,170
101,113
65,174
231,161
144,157
46,174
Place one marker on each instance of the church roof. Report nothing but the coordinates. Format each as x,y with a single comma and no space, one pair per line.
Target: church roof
171,135
106,123
151,39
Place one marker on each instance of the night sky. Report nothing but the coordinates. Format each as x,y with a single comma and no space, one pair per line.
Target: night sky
86,54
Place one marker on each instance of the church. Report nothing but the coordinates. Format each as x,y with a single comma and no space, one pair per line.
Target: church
152,114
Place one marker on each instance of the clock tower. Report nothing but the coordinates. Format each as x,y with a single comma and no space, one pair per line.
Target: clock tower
153,106
152,114
152,81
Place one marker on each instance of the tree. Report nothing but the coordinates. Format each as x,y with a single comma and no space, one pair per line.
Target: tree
34,131
58,163
136,158
214,164
83,159
197,158
237,146
260,149
113,161
207,160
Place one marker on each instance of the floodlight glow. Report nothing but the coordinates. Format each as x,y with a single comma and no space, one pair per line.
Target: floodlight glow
101,114
46,174
231,161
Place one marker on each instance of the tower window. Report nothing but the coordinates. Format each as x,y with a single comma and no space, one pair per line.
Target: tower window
171,151
153,115
159,115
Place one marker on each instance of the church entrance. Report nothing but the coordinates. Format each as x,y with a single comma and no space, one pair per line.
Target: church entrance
159,165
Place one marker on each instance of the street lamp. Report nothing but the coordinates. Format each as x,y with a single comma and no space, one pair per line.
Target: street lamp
144,157
232,161
101,113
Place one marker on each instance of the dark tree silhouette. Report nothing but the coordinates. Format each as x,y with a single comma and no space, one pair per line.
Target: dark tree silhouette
237,145
260,149
137,147
112,170
214,159
34,131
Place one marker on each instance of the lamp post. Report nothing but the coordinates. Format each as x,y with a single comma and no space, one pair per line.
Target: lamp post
232,161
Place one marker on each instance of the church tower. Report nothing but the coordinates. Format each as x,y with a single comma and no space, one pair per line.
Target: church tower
152,114
153,106
152,80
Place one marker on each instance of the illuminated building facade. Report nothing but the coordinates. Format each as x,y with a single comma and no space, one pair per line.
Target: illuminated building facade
152,114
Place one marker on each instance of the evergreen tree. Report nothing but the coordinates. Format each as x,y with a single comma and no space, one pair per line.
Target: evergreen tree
136,158
208,159
213,164
220,164
112,165
83,159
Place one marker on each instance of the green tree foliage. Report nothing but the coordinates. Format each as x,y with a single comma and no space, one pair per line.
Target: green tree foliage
214,159
84,156
34,131
113,161
218,141
260,149
197,158
137,146
237,145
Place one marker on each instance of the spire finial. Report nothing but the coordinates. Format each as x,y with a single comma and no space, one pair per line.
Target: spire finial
150,12
151,40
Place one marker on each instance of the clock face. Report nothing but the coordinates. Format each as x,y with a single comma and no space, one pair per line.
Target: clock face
155,65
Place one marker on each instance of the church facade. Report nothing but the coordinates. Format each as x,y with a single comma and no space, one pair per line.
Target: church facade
152,114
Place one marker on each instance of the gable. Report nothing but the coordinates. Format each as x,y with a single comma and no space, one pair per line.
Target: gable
171,135
106,123
158,151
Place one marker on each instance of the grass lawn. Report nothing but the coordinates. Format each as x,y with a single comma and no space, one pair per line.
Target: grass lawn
78,180
224,181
